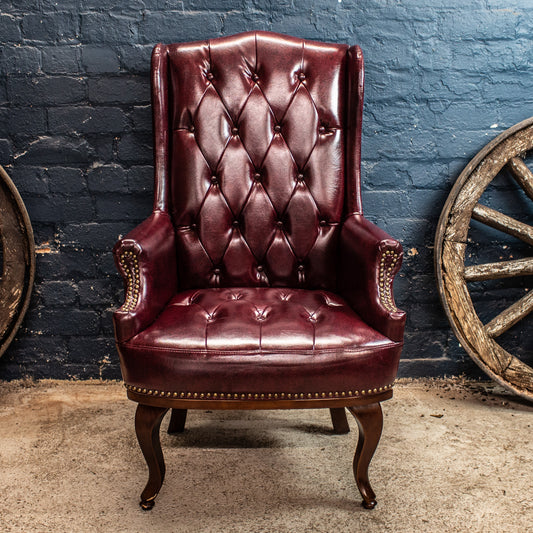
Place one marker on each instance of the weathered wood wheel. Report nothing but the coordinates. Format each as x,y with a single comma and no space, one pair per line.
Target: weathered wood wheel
17,256
507,152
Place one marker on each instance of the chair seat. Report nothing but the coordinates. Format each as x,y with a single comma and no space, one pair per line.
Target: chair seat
259,341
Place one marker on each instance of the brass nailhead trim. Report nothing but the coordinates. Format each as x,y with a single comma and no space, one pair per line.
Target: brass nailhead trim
128,261
386,267
257,396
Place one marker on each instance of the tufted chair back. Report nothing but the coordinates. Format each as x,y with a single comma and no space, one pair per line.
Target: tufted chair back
257,157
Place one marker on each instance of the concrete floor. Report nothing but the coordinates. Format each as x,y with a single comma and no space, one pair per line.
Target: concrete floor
454,456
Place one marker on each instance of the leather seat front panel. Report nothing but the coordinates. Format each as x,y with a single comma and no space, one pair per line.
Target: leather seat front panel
259,340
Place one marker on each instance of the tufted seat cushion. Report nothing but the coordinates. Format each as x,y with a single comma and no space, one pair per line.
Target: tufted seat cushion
259,341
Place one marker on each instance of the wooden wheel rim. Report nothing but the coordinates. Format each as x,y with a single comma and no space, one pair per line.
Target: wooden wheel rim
18,269
450,248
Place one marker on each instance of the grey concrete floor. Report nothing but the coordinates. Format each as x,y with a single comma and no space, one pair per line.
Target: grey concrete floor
454,456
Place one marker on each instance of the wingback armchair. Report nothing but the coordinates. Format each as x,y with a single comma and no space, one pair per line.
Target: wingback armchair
257,283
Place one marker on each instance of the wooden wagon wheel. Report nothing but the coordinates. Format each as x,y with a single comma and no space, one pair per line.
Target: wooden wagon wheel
17,260
478,339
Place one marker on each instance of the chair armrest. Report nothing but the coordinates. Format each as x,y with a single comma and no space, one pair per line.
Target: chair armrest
369,260
146,259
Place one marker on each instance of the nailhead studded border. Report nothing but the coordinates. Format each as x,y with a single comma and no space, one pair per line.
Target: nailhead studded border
256,396
386,267
130,264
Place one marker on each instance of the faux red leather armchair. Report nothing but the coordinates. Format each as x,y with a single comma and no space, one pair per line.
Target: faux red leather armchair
257,283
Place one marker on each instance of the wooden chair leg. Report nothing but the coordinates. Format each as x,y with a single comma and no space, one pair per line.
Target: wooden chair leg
370,422
177,421
147,423
340,422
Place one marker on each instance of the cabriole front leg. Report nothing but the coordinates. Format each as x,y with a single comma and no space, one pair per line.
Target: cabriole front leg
370,422
147,423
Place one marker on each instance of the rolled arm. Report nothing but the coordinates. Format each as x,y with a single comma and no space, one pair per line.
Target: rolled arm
369,260
146,259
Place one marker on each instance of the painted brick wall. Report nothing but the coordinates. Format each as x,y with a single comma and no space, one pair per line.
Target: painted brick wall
75,135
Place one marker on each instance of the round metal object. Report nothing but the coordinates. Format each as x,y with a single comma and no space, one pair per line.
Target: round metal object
18,260
462,205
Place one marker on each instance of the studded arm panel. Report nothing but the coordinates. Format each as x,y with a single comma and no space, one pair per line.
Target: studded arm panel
146,259
369,260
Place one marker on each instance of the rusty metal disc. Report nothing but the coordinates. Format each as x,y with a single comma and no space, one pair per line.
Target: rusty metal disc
17,260
481,339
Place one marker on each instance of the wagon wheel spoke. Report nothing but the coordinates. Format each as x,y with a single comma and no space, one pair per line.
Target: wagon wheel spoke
504,223
522,174
511,316
503,269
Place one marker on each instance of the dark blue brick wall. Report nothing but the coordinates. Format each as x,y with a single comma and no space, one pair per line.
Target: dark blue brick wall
443,78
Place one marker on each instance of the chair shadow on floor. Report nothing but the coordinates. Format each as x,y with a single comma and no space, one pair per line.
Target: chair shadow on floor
238,429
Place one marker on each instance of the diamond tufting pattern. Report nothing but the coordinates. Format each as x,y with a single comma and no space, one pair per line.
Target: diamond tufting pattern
252,133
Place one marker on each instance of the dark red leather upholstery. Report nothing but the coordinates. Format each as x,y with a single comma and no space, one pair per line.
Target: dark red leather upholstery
253,339
257,272
260,121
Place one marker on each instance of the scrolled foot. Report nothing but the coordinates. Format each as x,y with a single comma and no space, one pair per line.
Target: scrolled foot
147,505
370,504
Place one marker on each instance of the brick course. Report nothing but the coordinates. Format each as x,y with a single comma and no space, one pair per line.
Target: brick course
443,78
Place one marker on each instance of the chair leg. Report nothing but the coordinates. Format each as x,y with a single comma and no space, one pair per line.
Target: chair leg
340,422
147,423
177,421
370,422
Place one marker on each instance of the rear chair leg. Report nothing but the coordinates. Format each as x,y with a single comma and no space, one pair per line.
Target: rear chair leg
177,421
370,422
340,423
147,424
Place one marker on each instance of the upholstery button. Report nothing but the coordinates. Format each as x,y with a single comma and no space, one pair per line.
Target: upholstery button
259,268
279,223
255,76
191,128
210,75
214,180
323,223
300,268
193,226
300,177
257,176
216,271
235,130
301,76
322,129
277,128
235,223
